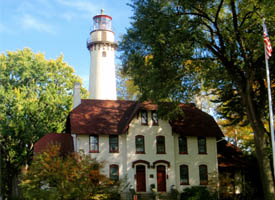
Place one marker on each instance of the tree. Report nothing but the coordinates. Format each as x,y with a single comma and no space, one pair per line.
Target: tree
125,87
35,98
240,136
73,176
174,48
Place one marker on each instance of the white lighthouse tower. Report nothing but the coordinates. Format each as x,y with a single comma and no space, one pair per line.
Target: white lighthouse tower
102,46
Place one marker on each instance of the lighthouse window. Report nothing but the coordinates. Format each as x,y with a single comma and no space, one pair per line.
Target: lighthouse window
104,54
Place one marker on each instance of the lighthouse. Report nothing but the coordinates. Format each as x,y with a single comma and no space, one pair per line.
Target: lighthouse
102,47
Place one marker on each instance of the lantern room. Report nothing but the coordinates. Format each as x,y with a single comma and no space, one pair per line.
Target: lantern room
102,22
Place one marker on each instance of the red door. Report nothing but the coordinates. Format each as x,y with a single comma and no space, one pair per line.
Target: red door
140,176
161,178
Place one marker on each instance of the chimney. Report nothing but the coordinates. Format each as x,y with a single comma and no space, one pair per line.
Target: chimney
77,99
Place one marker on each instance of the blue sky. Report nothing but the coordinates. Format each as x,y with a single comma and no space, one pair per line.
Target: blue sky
58,26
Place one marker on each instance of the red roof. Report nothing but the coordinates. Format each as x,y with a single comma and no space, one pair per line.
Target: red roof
231,156
108,117
195,122
65,140
112,117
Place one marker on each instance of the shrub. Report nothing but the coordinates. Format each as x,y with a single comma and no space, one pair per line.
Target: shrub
75,176
197,193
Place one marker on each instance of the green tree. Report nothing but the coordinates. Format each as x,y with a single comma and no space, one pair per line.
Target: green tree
240,136
35,98
74,176
174,48
126,89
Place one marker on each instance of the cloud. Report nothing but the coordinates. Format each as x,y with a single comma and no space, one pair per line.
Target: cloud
41,8
30,22
68,16
80,5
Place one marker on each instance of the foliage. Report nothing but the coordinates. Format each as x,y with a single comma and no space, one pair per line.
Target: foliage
175,49
240,136
197,193
75,176
35,98
125,87
234,185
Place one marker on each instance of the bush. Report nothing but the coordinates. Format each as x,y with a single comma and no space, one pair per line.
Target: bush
197,193
75,176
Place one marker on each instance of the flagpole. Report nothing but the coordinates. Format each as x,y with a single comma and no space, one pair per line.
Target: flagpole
270,106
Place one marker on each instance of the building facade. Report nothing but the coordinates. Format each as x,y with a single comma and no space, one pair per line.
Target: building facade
130,138
149,152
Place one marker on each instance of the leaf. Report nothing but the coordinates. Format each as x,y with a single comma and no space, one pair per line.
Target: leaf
35,99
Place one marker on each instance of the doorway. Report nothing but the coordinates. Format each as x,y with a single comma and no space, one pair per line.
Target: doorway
141,178
161,178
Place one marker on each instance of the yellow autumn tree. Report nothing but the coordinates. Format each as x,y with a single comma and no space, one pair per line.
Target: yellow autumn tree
73,176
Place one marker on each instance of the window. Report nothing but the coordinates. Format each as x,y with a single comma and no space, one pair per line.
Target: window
184,175
160,144
154,118
113,144
104,54
203,174
140,144
183,145
144,117
94,144
202,145
114,173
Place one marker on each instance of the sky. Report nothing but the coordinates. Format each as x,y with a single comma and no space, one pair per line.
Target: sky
59,26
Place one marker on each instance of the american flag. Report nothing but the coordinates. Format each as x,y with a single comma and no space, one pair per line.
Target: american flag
267,42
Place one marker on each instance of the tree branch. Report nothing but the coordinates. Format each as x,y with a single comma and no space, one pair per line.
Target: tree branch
237,32
218,11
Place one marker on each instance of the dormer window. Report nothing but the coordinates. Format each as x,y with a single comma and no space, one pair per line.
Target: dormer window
154,117
144,117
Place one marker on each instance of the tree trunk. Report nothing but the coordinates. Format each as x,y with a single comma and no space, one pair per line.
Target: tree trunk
261,141
15,189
